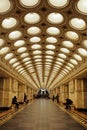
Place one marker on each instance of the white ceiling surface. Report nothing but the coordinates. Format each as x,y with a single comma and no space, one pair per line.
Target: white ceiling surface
43,41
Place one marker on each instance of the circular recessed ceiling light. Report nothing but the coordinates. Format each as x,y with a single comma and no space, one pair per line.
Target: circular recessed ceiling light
18,67
71,65
4,50
32,18
35,39
69,68
26,59
84,42
9,23
38,56
37,60
15,64
36,46
59,59
62,55
37,52
53,31
82,51
29,3
65,50
49,57
82,6
33,31
21,49
59,63
19,43
73,61
5,6
48,60
58,3
55,18
72,35
15,35
77,23
68,44
8,56
50,52
13,60
50,47
77,57
24,55
51,40
1,42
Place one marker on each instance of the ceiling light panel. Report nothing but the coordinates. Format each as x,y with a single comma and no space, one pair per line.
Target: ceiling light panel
4,50
33,30
9,23
55,18
19,43
15,35
72,35
77,23
5,6
51,40
8,56
29,3
2,42
58,3
81,6
53,31
35,39
32,18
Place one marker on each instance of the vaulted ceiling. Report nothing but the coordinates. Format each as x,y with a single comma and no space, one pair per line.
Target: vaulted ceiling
43,41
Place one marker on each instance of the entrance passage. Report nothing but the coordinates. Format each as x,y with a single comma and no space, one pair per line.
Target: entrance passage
42,114
43,93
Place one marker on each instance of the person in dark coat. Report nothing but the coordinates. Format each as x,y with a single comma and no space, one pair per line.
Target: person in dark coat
53,98
57,98
68,103
14,101
25,98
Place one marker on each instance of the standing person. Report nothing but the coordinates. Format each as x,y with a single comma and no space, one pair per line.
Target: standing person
53,98
14,101
57,98
25,98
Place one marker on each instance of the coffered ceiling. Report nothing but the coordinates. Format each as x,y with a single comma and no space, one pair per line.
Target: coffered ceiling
43,41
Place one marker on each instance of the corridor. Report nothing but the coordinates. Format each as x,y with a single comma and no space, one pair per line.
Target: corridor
42,114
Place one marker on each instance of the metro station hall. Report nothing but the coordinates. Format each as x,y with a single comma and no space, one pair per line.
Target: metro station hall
43,64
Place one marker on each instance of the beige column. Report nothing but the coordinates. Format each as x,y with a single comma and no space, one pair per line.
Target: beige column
62,98
1,91
29,93
79,93
15,88
51,93
21,91
6,92
72,90
85,92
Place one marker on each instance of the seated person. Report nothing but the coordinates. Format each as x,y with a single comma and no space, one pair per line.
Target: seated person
14,101
68,103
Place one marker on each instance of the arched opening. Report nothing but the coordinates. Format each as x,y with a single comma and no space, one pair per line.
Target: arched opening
43,93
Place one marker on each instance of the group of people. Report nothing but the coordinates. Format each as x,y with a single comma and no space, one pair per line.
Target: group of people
15,101
56,98
67,104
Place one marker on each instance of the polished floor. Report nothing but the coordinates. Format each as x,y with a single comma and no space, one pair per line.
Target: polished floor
42,114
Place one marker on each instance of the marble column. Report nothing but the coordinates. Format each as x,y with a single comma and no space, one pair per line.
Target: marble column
5,92
79,93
